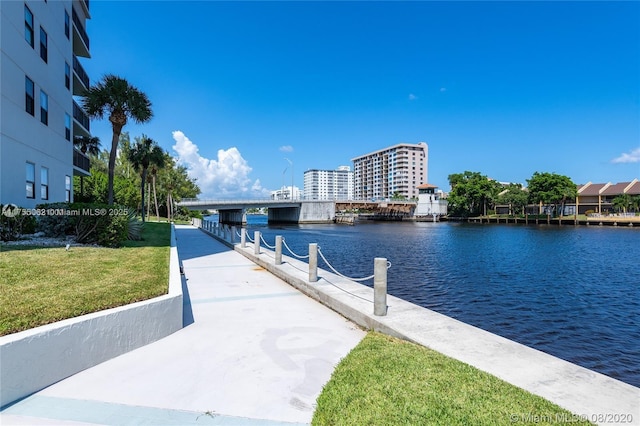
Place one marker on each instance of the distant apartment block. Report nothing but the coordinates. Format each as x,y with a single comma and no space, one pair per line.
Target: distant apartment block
286,193
396,170
329,184
40,74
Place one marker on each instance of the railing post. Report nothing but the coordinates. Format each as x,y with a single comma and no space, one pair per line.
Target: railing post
380,286
243,238
233,234
256,242
313,262
278,249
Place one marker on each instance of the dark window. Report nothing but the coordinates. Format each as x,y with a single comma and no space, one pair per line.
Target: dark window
29,96
67,126
66,24
31,180
44,108
44,183
67,76
43,45
28,25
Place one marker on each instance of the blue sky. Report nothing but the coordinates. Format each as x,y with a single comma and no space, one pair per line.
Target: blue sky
502,88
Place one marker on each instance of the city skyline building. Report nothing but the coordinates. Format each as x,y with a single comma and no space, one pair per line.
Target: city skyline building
328,184
393,171
40,75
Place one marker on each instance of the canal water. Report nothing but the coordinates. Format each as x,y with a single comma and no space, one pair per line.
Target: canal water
572,292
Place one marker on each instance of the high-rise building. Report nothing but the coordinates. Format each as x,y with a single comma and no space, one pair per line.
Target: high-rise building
329,184
40,75
394,171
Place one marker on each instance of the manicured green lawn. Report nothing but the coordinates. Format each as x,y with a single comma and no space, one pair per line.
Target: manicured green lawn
43,285
386,381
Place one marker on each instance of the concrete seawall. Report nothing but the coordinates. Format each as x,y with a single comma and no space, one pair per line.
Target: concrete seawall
599,398
34,359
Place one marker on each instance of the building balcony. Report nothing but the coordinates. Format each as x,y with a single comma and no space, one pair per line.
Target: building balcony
80,78
81,163
81,122
85,6
80,37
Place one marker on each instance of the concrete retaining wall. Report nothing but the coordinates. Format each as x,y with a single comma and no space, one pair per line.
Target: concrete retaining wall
34,359
317,212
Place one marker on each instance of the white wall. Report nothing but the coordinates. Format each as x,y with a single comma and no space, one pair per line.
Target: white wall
36,358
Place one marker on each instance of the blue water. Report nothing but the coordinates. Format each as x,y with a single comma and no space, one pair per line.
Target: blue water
573,292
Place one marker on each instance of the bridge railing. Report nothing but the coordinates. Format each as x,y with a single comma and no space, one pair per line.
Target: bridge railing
231,234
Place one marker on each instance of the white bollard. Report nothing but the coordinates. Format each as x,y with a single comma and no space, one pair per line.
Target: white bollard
256,242
380,286
278,249
243,238
233,235
313,262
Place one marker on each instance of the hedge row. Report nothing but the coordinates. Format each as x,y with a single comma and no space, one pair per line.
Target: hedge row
88,223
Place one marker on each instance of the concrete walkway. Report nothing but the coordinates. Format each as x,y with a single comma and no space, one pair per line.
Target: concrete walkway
254,351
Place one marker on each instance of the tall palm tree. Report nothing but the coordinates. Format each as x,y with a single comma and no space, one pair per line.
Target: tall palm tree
115,97
87,144
144,153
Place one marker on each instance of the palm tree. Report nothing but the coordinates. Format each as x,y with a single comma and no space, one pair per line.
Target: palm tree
115,97
144,153
87,144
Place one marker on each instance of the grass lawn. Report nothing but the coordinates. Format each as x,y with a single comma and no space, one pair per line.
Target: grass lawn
387,381
41,285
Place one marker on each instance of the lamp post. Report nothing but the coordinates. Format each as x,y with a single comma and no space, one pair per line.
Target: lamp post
282,189
291,164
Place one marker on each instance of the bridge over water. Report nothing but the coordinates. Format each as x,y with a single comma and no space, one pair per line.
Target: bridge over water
296,211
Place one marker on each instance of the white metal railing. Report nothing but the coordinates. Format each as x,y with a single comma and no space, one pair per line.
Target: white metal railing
379,276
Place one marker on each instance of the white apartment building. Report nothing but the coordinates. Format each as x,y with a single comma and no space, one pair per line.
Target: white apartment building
39,76
398,169
286,193
329,184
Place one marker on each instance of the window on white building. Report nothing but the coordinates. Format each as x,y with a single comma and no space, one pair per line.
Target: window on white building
44,50
28,25
44,183
67,126
67,188
67,24
29,102
31,180
67,75
44,108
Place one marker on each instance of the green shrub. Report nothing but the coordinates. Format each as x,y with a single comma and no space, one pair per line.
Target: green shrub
114,230
89,223
54,221
13,222
135,226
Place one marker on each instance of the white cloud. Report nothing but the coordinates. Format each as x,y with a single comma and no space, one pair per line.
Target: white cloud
412,97
286,148
632,157
225,177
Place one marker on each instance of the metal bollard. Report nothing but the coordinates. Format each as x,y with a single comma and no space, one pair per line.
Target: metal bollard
243,238
233,235
313,262
256,242
278,249
380,286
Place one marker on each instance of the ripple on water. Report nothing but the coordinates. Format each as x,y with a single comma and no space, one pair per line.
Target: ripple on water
573,292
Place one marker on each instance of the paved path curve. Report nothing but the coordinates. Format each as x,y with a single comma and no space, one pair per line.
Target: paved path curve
254,351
